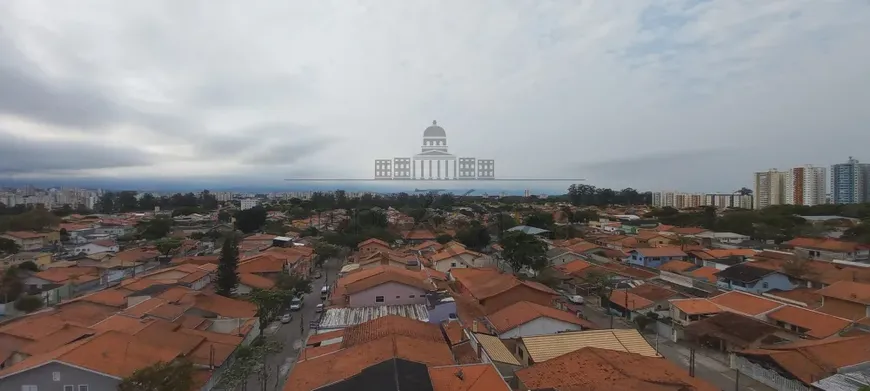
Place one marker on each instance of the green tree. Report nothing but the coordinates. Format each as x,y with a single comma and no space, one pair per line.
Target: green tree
323,252
8,246
540,220
599,283
28,303
224,217
228,265
642,321
475,236
167,246
64,235
155,228
522,250
28,265
11,286
443,238
269,303
251,220
162,376
294,283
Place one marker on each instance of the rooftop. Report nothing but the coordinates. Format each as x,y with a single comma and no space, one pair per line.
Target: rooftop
545,347
337,318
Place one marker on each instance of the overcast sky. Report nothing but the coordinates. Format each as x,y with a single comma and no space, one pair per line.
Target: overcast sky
652,94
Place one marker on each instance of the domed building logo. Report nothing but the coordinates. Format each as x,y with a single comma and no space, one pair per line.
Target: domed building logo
434,162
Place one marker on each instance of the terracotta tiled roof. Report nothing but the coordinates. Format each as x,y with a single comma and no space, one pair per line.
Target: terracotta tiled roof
745,303
63,275
707,273
810,361
486,283
112,353
818,271
464,353
373,241
818,324
629,300
262,263
826,244
427,244
573,266
688,230
808,296
124,324
255,281
64,336
523,312
855,292
316,372
110,297
601,369
259,237
451,252
420,234
660,252
696,306
480,377
318,338
24,235
454,331
391,325
677,266
739,330
583,247
652,292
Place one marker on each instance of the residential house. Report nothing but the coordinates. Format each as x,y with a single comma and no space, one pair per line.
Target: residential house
655,257
689,232
115,228
538,349
418,236
811,273
371,246
495,290
687,311
628,305
458,257
658,295
427,247
828,249
380,286
720,258
491,349
26,241
98,246
747,278
74,279
731,332
808,323
846,299
381,258
730,238
653,239
524,318
41,259
250,281
799,364
559,256
594,368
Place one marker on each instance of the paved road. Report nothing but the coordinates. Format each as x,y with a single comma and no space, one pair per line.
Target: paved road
278,365
706,367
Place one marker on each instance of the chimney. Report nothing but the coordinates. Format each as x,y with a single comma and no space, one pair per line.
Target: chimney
474,326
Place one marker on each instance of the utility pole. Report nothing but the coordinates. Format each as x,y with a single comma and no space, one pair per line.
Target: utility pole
736,379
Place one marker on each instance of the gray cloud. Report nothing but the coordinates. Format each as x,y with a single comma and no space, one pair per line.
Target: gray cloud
21,155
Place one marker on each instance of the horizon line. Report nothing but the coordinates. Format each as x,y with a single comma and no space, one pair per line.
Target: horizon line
434,180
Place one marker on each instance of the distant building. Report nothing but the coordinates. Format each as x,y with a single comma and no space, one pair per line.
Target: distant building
769,188
249,203
806,185
850,182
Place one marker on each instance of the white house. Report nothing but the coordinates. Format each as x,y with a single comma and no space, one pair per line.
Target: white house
455,256
99,246
525,318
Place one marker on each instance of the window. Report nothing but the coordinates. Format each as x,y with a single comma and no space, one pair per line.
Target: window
452,264
379,299
764,284
69,388
83,387
398,297
411,297
29,388
55,376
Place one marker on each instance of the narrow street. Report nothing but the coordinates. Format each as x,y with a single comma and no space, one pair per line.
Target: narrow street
278,365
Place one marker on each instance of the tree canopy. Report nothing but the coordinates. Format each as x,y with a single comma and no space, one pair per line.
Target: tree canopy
522,250
162,376
228,264
251,220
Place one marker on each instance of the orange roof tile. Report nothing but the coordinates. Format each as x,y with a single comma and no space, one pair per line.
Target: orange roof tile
454,331
696,306
855,292
573,266
255,281
601,369
123,324
62,275
827,244
808,296
676,266
477,377
652,292
140,309
318,338
373,241
316,372
110,297
819,325
660,252
629,300
707,273
745,303
813,360
523,312
391,325
486,283
64,336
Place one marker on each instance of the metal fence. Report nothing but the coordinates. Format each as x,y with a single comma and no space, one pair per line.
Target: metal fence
768,377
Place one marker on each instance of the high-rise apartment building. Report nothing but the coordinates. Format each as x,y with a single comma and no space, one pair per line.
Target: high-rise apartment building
850,182
769,188
806,185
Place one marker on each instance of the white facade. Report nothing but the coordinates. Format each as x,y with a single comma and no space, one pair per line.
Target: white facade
806,186
249,203
540,326
93,248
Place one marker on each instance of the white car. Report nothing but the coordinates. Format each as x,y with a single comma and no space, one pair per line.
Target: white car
286,318
576,299
319,308
296,304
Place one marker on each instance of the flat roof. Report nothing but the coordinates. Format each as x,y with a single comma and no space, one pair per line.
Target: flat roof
338,318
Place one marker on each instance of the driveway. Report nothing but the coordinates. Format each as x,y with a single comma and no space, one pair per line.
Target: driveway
278,365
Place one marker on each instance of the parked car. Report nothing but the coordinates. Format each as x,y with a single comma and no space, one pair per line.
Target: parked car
576,299
319,308
286,318
318,275
296,304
